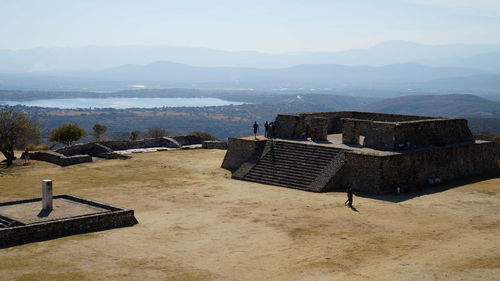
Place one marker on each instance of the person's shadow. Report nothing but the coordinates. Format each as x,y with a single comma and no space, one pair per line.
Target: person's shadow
353,208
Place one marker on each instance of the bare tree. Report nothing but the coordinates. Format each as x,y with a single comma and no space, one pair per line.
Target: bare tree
157,133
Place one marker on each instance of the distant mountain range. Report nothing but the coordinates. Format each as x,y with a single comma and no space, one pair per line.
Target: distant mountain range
438,105
60,60
392,65
327,75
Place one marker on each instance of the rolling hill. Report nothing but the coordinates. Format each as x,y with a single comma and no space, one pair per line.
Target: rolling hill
455,105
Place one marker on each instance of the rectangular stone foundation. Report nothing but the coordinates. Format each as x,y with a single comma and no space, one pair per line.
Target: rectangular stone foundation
71,215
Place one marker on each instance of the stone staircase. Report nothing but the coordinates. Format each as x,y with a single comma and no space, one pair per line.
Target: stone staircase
296,165
7,222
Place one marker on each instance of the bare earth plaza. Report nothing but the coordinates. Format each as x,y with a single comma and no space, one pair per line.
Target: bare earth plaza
426,198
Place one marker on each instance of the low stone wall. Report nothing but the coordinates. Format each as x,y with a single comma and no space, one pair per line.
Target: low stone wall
116,217
188,140
91,148
372,173
144,143
240,150
60,159
214,145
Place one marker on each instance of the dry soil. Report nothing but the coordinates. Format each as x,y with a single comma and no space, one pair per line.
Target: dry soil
196,223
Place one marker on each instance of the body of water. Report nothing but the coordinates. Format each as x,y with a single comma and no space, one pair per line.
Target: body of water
121,103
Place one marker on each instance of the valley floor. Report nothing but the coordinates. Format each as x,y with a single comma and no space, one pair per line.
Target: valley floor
196,223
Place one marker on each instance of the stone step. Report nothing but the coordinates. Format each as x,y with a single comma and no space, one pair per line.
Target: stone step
305,147
299,158
313,150
305,160
302,152
284,174
276,182
291,164
4,222
298,169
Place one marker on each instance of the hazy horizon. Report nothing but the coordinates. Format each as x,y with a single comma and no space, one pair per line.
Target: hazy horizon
260,26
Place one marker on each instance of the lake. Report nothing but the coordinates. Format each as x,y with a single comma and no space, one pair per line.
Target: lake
122,103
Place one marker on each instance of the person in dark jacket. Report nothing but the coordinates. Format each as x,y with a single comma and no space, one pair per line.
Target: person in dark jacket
348,202
255,129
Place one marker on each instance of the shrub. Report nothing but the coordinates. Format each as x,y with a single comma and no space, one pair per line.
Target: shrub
99,130
157,133
66,134
204,135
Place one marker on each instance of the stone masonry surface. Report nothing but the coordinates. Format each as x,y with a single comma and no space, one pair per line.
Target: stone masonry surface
103,217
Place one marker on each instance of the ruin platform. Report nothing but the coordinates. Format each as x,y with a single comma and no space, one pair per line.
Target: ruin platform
369,152
24,221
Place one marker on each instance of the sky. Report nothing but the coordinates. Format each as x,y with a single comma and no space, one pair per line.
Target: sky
270,26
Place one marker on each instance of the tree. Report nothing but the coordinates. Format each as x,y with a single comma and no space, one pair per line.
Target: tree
66,134
16,129
134,135
157,133
99,130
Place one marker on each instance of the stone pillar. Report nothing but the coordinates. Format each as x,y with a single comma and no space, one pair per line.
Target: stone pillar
321,124
350,132
47,195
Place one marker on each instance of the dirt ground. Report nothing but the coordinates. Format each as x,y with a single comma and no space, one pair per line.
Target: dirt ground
195,223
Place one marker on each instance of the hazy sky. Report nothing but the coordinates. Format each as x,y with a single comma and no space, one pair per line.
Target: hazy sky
260,25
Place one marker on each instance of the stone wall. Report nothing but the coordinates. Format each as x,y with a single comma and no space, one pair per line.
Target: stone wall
372,173
427,133
116,217
188,140
321,124
380,135
144,143
241,150
60,159
289,126
292,125
214,145
91,148
351,131
416,134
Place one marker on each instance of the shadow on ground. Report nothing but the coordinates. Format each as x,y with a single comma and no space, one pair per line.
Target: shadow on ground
397,198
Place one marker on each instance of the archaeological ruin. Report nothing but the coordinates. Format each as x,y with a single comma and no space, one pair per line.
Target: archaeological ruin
371,152
50,217
117,149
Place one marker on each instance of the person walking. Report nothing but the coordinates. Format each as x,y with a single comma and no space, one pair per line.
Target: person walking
266,129
271,130
348,202
26,156
255,129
